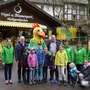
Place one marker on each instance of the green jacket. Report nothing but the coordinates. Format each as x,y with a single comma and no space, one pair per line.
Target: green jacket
8,55
88,55
70,53
80,55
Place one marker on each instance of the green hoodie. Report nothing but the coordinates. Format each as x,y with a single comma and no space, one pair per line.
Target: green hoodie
8,55
80,55
88,56
70,53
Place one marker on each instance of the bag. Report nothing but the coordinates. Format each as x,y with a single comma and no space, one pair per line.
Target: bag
84,83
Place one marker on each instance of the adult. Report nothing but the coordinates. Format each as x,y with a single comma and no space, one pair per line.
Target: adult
20,58
80,56
70,54
8,58
53,49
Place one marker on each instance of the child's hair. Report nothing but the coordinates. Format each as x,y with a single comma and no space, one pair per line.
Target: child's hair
71,65
32,49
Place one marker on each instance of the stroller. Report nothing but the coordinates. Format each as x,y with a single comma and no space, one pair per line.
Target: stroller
74,75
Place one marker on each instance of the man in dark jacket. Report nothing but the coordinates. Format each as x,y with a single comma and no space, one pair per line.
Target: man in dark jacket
21,59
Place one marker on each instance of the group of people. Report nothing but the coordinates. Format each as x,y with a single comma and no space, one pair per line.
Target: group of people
59,62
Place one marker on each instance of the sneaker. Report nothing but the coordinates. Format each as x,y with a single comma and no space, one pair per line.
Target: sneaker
19,81
65,84
11,82
30,83
34,82
6,82
59,83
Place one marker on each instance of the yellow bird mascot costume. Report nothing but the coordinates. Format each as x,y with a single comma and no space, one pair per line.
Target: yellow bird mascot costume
38,37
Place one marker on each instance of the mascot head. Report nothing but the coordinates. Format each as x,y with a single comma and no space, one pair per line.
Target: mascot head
37,31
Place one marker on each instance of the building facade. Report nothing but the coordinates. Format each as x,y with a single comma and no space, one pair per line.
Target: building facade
71,10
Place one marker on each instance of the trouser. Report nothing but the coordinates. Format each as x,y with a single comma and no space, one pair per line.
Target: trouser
45,72
32,74
80,67
62,72
68,72
23,72
39,73
53,71
8,71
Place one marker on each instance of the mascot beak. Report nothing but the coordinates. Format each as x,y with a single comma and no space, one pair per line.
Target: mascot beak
42,34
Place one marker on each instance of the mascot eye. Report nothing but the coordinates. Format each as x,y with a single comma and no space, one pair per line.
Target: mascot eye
38,30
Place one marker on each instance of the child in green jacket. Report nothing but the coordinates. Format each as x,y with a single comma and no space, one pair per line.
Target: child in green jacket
8,57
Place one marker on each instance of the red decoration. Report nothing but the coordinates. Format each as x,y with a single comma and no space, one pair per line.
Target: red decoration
34,25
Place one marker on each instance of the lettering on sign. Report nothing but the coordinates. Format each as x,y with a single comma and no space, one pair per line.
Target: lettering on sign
16,17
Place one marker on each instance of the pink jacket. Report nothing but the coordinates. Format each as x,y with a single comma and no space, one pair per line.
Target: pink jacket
32,60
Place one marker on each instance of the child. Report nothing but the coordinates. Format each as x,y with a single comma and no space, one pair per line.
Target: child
46,64
8,57
61,60
73,73
40,56
33,64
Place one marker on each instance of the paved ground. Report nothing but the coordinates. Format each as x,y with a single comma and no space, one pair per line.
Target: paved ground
17,86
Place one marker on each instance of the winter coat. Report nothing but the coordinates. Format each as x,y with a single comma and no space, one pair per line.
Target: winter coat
61,58
86,73
20,52
80,55
8,55
47,59
70,54
73,72
40,56
32,61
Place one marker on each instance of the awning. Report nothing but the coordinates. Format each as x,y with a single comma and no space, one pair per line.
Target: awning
19,24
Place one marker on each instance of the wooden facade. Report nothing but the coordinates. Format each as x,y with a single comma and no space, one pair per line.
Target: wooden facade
25,12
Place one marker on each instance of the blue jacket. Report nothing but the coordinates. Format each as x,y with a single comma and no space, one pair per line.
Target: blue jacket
40,56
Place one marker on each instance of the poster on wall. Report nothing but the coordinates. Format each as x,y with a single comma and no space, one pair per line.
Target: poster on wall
73,31
63,33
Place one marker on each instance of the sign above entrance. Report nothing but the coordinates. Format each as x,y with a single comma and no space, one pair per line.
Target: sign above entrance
16,17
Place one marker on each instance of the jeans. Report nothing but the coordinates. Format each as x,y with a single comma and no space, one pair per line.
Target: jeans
23,72
39,73
8,71
32,74
52,72
45,72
